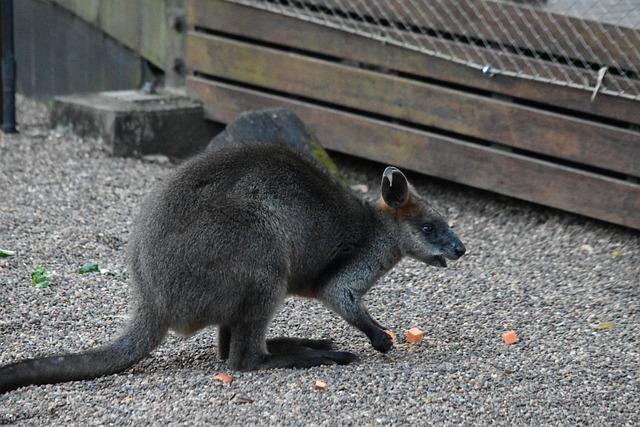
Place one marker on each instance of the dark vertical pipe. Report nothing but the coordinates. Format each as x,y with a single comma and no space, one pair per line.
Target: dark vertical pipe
8,68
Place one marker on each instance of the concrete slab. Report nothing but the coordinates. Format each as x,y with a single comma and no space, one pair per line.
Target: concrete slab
133,123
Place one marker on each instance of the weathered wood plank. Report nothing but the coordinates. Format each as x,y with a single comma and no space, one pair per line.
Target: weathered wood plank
425,104
253,23
140,25
456,160
121,19
551,71
153,27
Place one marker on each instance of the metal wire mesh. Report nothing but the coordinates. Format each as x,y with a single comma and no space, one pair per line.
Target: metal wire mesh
592,45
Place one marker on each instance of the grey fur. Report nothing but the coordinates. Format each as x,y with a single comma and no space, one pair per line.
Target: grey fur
234,232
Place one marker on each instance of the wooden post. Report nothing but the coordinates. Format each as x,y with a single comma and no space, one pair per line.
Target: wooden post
8,69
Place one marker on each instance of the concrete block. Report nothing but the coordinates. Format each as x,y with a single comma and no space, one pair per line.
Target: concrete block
132,123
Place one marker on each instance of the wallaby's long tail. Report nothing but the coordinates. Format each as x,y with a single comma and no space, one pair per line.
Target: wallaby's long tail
142,335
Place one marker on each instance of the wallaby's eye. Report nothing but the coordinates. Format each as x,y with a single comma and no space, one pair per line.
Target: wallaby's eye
427,228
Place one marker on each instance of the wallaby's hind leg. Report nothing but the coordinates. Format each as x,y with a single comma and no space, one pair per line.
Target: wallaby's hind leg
248,351
248,348
274,345
224,341
288,345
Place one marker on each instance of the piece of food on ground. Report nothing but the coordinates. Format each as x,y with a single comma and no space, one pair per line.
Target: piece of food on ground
510,337
89,267
320,385
225,378
40,277
605,325
6,253
414,335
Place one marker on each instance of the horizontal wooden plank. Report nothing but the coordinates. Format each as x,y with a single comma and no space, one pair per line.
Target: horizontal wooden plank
425,104
463,162
245,21
499,59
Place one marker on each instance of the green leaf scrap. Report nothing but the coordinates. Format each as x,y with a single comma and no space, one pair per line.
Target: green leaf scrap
40,277
4,253
605,325
90,267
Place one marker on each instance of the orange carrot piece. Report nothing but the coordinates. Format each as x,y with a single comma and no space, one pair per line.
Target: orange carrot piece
510,337
225,378
414,335
320,385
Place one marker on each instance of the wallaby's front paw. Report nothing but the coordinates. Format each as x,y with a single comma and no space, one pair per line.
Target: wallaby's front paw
382,341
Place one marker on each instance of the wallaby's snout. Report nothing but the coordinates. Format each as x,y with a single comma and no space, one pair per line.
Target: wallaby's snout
457,248
423,232
442,244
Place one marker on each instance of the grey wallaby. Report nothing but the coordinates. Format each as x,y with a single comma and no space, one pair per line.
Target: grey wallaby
235,231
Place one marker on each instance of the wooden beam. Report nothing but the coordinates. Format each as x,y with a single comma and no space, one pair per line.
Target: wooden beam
514,175
269,27
425,104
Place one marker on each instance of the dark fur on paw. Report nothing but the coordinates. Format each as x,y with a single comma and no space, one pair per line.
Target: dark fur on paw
381,341
341,357
287,344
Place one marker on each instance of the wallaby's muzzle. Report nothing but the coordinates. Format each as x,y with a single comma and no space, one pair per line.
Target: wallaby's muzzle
452,249
455,248
458,249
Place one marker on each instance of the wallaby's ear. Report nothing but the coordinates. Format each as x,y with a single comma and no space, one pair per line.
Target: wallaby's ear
394,188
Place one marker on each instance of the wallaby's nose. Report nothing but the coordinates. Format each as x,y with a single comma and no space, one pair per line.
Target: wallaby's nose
459,249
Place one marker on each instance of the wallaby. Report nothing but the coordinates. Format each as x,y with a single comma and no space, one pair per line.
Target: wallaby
235,231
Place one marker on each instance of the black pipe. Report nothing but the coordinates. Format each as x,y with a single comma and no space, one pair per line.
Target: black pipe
8,68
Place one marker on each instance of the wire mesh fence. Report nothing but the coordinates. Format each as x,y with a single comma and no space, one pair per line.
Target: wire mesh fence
592,45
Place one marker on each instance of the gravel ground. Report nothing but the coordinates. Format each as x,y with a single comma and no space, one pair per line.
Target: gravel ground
64,202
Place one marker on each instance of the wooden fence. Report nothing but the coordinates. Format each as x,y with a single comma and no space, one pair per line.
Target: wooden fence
531,140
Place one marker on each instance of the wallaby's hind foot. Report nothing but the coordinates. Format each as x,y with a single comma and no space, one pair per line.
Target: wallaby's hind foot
249,350
290,345
285,352
305,358
274,345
